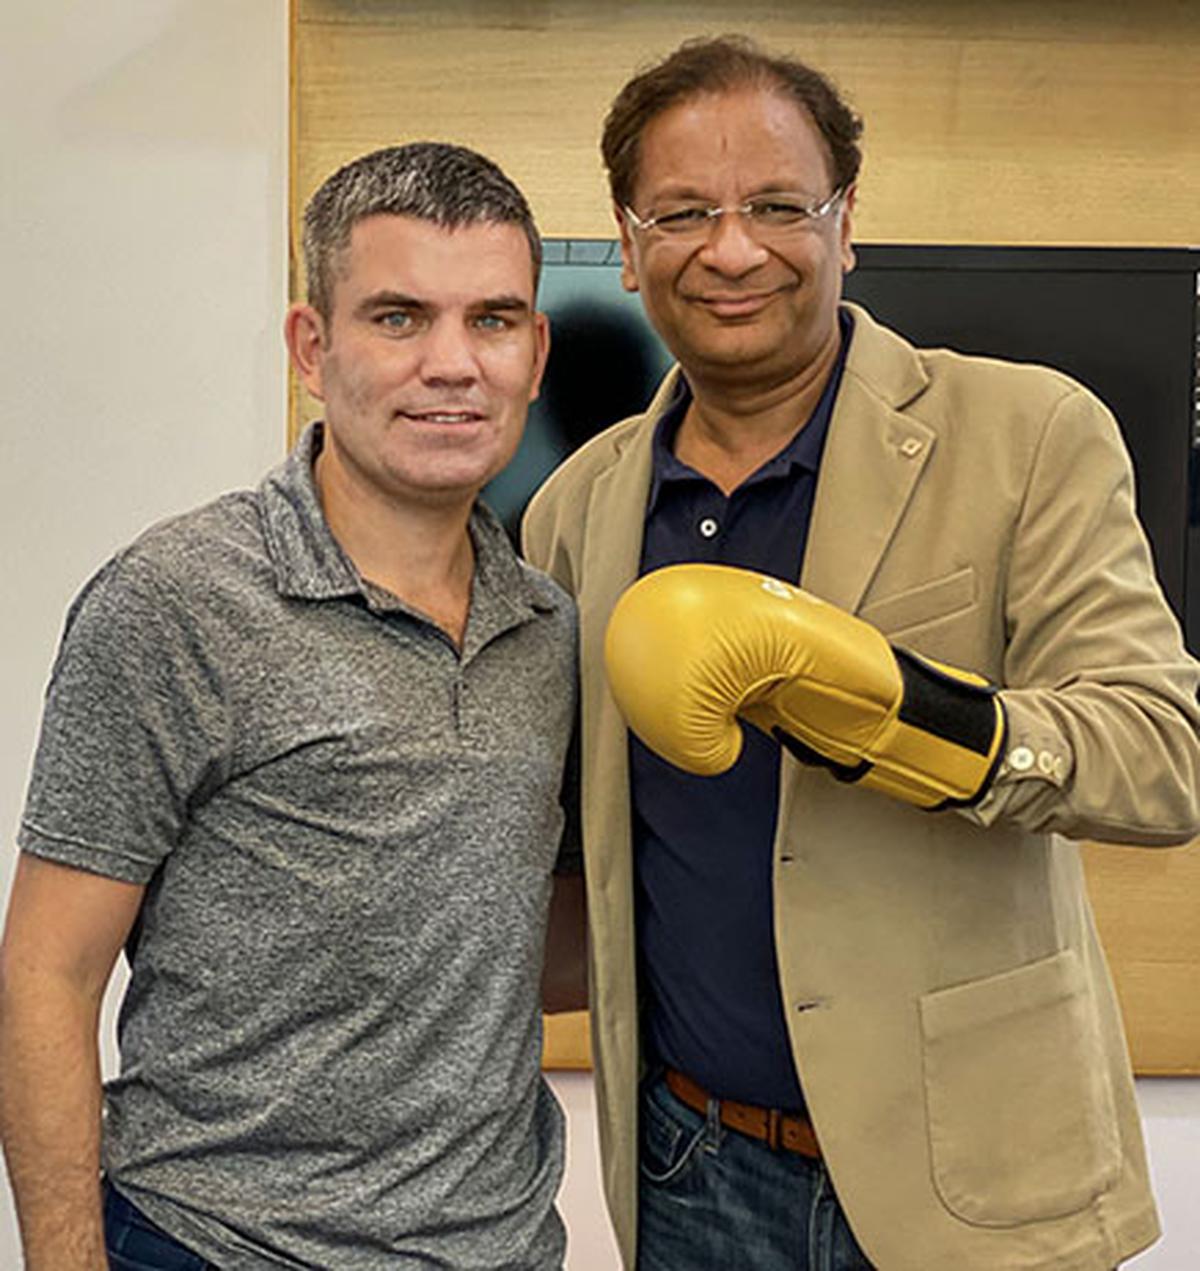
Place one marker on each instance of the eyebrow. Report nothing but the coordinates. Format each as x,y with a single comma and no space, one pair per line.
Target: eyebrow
681,193
687,193
506,302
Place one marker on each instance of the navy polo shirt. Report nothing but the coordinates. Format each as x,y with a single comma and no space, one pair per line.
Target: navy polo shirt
703,845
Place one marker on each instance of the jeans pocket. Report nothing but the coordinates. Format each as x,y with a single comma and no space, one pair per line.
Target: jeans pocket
667,1145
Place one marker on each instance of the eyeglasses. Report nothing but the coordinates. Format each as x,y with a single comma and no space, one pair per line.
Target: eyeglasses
768,216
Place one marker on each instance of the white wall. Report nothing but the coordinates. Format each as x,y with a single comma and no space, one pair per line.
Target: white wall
143,256
591,1245
1171,1114
144,265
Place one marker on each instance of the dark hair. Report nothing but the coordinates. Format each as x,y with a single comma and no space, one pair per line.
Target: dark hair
430,180
717,65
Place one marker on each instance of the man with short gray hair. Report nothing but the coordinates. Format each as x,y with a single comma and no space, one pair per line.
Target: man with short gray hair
447,185
301,758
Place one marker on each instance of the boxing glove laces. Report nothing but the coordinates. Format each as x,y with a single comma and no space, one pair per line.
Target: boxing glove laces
692,650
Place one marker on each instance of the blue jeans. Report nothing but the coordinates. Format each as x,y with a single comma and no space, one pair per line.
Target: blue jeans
709,1197
134,1243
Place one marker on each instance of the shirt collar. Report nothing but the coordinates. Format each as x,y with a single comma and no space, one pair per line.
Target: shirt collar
310,564
308,561
803,451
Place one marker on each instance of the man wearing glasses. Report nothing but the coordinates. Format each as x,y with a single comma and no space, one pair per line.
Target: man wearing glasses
867,1008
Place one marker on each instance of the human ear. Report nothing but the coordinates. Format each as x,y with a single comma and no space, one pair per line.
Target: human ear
629,278
304,334
846,229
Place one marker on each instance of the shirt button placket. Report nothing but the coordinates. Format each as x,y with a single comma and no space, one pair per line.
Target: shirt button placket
464,714
456,688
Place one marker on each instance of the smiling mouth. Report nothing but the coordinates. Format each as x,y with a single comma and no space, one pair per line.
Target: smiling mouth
735,304
442,416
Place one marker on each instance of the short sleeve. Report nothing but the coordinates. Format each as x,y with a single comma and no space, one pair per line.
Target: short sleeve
133,729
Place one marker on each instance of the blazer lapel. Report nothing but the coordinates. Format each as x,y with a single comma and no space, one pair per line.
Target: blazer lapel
873,459
617,503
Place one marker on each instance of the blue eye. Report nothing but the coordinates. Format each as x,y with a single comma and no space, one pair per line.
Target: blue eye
492,322
396,320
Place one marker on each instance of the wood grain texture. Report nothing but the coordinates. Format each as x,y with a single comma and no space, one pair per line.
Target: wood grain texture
566,1041
1029,122
1147,904
1054,122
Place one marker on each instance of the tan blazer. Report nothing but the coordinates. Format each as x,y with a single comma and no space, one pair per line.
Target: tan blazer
950,1012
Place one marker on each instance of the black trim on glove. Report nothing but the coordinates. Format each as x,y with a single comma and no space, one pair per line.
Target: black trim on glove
814,759
946,706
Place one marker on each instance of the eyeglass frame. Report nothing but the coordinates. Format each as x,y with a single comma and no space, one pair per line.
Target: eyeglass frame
813,212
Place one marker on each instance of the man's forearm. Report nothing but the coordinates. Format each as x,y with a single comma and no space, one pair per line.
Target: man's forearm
50,1119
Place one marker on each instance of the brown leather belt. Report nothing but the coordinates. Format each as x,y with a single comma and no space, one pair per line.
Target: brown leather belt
776,1129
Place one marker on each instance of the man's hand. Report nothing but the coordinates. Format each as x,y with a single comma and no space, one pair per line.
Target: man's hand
691,649
64,931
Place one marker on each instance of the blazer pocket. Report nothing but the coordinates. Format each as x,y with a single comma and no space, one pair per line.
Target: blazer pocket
918,606
1022,1125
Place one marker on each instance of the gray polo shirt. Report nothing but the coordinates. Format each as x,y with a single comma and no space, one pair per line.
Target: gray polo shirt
330,1042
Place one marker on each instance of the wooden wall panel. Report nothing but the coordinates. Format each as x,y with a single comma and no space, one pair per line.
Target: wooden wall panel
1027,122
567,1042
1147,904
1053,122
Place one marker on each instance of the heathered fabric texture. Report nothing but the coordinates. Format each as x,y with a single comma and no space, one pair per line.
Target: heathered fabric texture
330,1043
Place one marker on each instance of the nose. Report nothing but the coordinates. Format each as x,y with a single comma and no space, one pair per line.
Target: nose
731,248
448,355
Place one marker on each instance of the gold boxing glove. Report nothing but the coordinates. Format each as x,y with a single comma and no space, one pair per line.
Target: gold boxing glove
691,649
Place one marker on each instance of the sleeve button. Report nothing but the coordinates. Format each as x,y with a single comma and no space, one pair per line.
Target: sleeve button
1020,759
